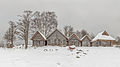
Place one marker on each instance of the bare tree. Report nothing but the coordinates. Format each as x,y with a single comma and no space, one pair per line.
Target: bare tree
84,32
7,35
92,35
78,33
10,34
68,31
45,22
23,26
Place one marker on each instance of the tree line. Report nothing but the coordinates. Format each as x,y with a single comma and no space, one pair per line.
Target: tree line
30,22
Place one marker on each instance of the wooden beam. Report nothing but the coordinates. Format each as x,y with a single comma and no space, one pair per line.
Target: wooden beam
110,43
100,43
81,43
33,43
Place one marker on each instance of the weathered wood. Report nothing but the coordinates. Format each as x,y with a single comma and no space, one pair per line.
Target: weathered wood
74,40
38,39
86,41
57,39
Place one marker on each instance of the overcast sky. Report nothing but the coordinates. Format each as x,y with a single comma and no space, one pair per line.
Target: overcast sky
92,15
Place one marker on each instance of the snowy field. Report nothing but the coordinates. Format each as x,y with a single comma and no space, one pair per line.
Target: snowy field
60,57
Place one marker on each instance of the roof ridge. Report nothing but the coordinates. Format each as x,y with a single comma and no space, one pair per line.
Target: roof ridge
37,32
86,36
59,32
75,35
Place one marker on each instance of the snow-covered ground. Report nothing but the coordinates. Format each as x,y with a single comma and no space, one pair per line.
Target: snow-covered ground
60,57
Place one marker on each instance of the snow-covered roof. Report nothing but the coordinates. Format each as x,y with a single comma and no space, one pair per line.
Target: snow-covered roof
59,32
40,34
85,37
43,36
103,36
74,35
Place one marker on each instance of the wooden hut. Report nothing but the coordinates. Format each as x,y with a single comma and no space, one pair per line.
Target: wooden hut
56,38
86,41
39,39
74,40
103,39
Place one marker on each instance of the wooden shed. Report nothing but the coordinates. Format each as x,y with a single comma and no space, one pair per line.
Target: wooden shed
86,41
56,38
74,40
38,39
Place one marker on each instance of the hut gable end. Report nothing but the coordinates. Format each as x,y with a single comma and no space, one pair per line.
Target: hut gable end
74,37
57,38
86,41
37,36
56,34
74,40
86,37
105,33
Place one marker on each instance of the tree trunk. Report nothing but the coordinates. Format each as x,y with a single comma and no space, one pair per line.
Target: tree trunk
12,35
26,42
26,35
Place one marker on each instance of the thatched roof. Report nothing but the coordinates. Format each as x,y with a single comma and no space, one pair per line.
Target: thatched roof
103,36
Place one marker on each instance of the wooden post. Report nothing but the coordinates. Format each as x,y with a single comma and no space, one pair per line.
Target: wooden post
100,43
90,44
81,43
39,43
110,43
33,43
45,43
67,43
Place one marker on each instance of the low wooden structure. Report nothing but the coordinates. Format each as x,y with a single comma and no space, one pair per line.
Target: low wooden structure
103,39
74,40
39,39
86,41
56,38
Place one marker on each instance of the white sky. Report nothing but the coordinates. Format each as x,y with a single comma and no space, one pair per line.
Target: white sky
92,15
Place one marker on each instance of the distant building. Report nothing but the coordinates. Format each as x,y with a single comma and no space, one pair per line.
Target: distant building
57,39
86,41
103,39
74,40
39,39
